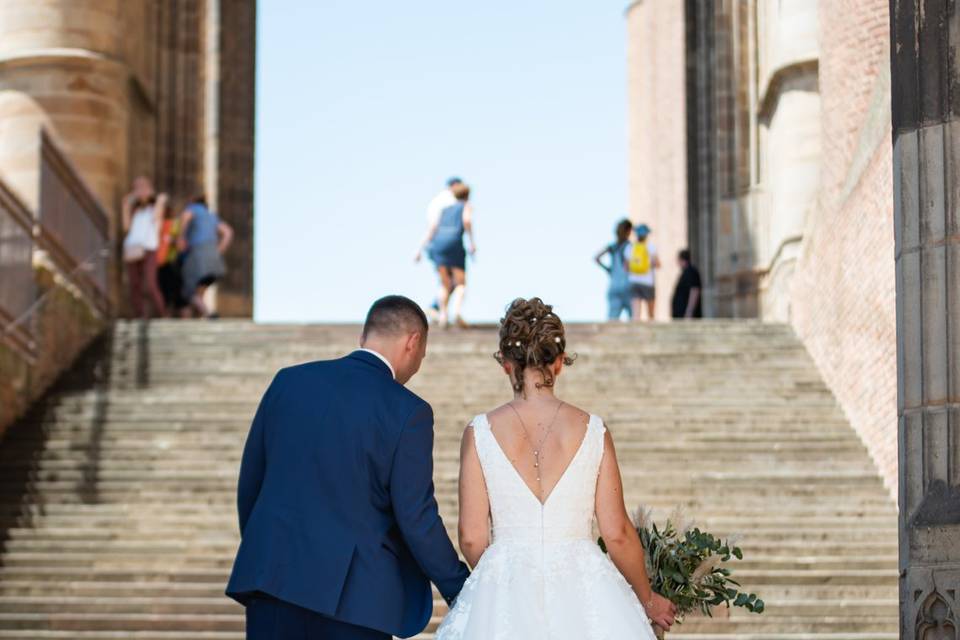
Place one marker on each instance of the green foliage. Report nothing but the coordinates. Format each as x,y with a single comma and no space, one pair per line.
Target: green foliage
689,568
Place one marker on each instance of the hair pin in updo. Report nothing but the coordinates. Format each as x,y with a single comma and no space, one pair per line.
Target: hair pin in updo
557,339
519,344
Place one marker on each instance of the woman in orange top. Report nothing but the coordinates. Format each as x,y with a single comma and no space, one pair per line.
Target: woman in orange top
168,259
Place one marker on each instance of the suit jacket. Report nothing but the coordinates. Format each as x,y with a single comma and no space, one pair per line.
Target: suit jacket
336,499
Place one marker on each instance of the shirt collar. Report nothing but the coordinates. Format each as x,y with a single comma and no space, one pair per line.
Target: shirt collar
385,361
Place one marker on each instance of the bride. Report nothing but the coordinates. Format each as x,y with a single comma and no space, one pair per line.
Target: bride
534,473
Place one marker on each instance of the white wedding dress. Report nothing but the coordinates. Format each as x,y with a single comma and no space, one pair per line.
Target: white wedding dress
543,575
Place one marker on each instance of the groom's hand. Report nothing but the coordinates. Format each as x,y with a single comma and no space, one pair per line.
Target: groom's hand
661,611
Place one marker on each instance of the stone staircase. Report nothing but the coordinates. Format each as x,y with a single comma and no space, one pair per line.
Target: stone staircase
117,491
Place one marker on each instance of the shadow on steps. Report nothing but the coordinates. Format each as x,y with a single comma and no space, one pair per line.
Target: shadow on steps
22,447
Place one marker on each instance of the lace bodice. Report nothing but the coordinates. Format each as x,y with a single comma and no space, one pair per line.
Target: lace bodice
516,512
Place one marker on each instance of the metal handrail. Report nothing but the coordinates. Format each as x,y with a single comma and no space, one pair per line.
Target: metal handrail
72,227
9,327
71,220
19,233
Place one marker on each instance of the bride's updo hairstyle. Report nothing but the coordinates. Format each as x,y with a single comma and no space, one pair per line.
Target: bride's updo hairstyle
531,336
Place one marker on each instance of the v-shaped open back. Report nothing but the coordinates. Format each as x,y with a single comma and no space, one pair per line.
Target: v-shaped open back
566,467
567,509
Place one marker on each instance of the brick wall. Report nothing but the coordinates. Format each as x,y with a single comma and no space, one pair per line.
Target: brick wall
657,132
843,297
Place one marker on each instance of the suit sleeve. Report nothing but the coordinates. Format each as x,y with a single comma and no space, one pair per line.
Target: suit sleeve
254,460
415,506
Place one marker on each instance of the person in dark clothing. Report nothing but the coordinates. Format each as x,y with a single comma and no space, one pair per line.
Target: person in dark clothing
687,294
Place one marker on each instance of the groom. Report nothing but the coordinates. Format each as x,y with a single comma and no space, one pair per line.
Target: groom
339,525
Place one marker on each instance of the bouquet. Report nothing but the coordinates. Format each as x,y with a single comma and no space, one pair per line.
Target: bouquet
688,566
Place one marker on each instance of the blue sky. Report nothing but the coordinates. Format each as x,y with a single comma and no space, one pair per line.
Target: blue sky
365,108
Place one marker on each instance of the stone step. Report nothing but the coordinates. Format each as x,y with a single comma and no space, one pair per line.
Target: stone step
151,464
192,604
184,623
157,471
91,588
46,634
87,527
57,575
679,634
191,623
71,514
219,554
225,479
152,604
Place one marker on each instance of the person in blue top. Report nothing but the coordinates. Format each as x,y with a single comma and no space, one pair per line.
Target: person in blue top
618,292
203,238
450,219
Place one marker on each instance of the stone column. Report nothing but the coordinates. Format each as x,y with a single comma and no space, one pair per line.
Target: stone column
925,78
657,137
236,90
61,67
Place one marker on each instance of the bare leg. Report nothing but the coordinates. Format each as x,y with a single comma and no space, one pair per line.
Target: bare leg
446,285
210,299
135,278
650,305
197,302
153,284
636,303
459,291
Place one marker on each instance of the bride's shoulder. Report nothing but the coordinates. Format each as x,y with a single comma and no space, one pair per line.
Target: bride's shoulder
479,422
499,415
594,422
575,414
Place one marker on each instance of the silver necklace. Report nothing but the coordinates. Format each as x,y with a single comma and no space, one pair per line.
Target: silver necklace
539,446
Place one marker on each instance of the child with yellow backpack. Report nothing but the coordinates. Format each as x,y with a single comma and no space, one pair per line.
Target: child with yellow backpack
641,261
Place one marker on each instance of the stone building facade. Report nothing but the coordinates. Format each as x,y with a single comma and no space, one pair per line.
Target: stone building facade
784,148
163,88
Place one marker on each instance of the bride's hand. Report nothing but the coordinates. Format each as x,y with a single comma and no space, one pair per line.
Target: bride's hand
661,611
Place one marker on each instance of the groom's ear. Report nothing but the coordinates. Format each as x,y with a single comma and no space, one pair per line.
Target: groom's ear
414,341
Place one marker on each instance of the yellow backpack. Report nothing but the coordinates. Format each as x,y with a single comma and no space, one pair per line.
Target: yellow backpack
639,259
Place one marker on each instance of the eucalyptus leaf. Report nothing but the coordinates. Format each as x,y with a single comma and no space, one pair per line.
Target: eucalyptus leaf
674,558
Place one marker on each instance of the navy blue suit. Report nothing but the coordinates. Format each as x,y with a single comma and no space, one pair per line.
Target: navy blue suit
336,499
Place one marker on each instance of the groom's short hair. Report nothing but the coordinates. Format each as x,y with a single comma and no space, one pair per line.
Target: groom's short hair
392,315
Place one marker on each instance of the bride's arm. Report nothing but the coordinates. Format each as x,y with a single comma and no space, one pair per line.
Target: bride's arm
622,540
474,528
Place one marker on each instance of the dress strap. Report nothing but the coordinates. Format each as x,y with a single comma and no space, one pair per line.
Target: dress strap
481,440
595,432
596,423
480,422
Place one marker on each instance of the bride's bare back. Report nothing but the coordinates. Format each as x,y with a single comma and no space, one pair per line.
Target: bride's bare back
521,426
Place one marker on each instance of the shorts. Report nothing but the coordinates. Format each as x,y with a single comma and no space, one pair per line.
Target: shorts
642,291
618,303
